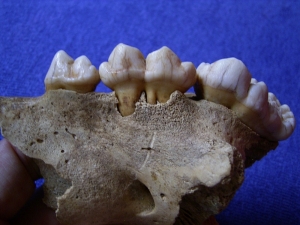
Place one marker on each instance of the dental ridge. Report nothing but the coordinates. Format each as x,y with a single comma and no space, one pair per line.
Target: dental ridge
227,82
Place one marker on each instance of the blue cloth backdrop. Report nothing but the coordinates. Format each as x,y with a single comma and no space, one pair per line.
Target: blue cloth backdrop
265,35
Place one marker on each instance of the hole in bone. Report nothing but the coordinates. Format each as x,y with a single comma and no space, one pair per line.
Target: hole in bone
163,196
140,198
39,140
55,132
62,151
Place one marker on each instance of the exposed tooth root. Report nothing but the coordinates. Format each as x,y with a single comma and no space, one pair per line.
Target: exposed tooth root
124,73
165,74
228,82
65,73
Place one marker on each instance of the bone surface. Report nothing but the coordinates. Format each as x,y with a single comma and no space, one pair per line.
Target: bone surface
173,163
228,82
65,73
165,73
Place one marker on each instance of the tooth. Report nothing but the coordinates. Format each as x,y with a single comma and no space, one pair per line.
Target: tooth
229,75
165,73
65,73
124,73
257,97
228,82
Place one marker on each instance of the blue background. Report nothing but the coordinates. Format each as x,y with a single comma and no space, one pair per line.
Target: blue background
265,35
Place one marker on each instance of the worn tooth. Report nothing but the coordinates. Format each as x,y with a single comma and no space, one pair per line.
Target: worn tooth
65,73
228,82
165,73
230,75
124,73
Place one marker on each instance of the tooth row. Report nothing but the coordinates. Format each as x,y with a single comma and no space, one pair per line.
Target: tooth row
128,73
228,82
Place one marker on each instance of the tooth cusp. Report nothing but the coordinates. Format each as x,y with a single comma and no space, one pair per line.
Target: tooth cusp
65,73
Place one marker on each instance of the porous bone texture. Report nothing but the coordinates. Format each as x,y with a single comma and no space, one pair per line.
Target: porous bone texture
172,163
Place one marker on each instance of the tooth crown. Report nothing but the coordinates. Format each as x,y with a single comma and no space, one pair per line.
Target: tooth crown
129,74
125,63
228,82
164,65
65,73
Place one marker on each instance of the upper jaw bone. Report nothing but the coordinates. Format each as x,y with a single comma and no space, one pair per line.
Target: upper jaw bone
65,73
228,82
165,73
124,73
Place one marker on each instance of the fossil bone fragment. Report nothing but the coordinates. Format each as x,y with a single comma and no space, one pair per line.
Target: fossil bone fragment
174,163
228,82
165,73
124,73
65,73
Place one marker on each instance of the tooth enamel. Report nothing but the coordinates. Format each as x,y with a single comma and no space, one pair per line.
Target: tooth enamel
234,77
165,74
257,97
228,82
124,73
65,73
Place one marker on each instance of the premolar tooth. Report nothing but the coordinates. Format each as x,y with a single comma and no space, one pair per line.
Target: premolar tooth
165,74
124,73
228,82
65,73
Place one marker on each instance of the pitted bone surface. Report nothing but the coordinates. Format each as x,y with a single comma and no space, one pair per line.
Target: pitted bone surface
152,167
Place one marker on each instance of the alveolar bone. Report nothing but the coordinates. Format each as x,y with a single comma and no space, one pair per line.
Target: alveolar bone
65,73
124,73
228,82
165,74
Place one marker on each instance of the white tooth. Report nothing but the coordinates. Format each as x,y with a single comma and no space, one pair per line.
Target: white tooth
124,73
257,97
64,73
165,74
228,82
226,74
60,66
253,81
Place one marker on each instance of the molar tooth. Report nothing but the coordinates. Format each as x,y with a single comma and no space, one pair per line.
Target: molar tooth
226,74
257,97
65,73
249,98
165,73
124,73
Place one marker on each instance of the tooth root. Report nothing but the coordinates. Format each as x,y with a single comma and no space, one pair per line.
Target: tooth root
65,73
165,74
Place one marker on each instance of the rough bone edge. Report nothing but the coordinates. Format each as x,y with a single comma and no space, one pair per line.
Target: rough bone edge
113,163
